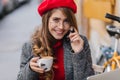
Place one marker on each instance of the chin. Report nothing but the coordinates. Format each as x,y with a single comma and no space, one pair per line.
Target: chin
58,38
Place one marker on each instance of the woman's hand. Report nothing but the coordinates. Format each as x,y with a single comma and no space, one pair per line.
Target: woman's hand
77,42
34,65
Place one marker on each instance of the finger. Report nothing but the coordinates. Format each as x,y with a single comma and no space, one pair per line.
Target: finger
74,37
39,70
75,40
75,30
78,40
72,34
34,64
34,59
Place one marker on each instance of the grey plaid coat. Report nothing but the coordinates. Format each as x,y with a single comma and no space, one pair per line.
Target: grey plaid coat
78,66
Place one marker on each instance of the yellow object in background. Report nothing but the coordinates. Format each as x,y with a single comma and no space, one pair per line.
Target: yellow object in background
98,9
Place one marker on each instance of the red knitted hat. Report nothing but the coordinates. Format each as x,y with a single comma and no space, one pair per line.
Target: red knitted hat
51,4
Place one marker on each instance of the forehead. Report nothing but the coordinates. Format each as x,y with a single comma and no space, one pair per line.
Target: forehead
59,14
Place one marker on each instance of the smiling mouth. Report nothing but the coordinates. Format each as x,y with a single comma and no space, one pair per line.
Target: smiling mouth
59,32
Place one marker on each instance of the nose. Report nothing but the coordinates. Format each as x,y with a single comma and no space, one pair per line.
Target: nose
61,25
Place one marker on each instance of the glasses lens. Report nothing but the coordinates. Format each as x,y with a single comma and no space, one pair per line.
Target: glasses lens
65,23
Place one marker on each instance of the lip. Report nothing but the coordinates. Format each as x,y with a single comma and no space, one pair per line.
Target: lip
59,32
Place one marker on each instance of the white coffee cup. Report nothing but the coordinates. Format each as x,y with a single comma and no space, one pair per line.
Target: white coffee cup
45,63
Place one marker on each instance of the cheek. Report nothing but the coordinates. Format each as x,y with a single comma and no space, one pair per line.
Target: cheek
67,29
50,27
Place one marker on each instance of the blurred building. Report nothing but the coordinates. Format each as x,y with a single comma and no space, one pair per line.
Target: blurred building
92,22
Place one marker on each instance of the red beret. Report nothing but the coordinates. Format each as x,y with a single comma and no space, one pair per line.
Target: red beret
51,4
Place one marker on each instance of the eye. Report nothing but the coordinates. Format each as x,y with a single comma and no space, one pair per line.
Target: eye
66,21
56,20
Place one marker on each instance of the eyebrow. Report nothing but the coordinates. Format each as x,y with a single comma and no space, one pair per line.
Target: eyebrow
59,18
56,18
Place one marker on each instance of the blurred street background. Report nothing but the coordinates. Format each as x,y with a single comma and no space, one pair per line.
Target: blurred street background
19,18
15,29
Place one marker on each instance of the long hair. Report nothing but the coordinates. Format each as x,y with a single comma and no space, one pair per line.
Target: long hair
42,40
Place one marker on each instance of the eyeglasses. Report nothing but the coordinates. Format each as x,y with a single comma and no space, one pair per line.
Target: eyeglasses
58,23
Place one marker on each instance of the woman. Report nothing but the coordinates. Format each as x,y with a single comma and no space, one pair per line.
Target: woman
58,37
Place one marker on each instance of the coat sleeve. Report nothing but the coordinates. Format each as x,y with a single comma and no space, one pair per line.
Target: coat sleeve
25,72
82,62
